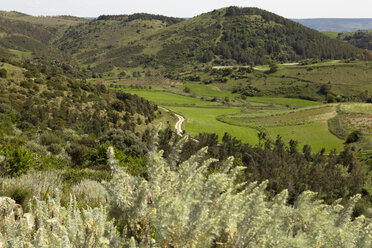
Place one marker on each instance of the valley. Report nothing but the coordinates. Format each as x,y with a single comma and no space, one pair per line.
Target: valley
234,128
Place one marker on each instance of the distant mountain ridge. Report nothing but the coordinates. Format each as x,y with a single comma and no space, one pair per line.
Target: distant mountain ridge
340,25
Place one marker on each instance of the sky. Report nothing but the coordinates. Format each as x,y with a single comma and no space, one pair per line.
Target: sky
190,8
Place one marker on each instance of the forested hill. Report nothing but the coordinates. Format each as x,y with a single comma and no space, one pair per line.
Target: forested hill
361,38
226,36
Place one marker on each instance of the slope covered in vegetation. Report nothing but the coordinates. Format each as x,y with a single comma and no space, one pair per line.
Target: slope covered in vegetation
232,35
361,38
85,163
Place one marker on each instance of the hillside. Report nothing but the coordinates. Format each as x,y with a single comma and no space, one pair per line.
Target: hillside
272,147
226,36
340,25
23,35
361,39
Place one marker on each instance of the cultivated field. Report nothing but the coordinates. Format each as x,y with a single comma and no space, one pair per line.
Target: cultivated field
213,107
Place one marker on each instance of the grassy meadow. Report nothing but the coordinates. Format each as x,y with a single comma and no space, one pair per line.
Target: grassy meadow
307,123
287,102
204,120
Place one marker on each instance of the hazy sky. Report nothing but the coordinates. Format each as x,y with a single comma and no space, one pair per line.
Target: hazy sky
190,8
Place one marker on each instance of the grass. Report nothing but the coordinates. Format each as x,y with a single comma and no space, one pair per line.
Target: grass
14,72
307,124
282,117
356,108
332,35
206,90
351,117
315,134
295,102
204,120
20,54
169,99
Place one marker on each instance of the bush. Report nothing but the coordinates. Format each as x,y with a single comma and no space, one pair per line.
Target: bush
77,153
187,90
91,193
34,184
273,67
126,141
353,137
184,206
49,138
118,105
52,225
14,160
3,73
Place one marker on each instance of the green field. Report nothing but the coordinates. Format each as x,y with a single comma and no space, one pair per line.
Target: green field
307,124
275,118
332,35
167,98
284,101
356,108
207,90
278,107
315,134
204,120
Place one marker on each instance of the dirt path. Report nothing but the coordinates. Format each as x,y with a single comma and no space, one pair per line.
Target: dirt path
178,125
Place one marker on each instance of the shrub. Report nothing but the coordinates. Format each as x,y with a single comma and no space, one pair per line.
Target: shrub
15,160
186,90
55,149
3,73
77,153
126,141
34,184
273,67
49,138
118,105
353,137
91,193
52,225
185,206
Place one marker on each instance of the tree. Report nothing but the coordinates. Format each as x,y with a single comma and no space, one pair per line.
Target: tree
273,67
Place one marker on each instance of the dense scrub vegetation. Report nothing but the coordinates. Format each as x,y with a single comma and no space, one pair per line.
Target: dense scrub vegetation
141,16
251,34
179,204
361,39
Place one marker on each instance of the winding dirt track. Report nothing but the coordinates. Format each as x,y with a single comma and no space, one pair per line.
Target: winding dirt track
178,125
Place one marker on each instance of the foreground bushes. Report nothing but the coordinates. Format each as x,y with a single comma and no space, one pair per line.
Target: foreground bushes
52,225
185,206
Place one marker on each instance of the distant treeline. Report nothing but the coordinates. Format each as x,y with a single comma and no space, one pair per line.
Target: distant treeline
141,16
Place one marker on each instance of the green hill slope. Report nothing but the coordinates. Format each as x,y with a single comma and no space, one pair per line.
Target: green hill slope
226,36
25,33
361,38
